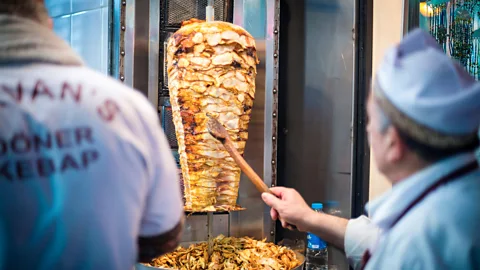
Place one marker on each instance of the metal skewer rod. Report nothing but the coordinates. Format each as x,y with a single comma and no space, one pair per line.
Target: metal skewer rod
210,233
209,17
210,11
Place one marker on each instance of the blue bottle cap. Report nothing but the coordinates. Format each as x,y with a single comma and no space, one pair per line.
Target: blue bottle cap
317,206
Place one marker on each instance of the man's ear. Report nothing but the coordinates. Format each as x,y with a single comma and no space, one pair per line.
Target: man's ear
50,23
395,145
50,20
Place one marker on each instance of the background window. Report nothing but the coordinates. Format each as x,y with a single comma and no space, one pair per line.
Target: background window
454,24
84,24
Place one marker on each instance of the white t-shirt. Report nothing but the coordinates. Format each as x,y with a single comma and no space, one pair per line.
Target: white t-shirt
85,169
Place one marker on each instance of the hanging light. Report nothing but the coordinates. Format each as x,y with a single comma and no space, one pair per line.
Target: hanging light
426,10
437,2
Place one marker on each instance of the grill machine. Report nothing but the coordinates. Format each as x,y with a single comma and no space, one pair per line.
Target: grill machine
175,13
313,111
145,28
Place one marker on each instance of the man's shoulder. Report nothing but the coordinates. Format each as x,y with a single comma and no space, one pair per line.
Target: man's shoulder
452,208
104,84
134,107
456,202
82,76
88,96
86,85
445,224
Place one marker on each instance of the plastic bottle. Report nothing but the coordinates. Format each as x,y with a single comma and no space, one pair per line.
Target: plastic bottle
316,254
332,208
336,258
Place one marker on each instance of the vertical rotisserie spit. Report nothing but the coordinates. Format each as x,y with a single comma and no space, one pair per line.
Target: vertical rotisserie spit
211,71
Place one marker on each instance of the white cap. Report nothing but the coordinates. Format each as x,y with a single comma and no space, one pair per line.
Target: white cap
428,87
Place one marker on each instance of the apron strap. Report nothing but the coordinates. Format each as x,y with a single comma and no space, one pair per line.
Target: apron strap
451,177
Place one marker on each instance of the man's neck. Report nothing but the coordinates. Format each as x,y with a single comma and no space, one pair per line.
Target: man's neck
407,169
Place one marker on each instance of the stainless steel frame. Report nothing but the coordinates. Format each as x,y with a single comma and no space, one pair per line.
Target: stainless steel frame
139,53
115,30
118,39
153,49
128,50
136,31
271,103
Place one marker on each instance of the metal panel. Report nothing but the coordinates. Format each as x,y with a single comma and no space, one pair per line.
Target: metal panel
117,41
141,46
140,53
325,116
153,52
196,227
316,95
336,185
128,49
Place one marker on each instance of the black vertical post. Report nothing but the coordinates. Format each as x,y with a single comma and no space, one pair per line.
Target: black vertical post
411,15
363,73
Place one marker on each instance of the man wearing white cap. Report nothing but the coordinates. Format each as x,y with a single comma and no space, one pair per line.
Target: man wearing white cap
424,115
87,178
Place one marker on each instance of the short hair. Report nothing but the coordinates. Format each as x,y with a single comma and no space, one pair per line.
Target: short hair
433,154
385,122
32,9
426,152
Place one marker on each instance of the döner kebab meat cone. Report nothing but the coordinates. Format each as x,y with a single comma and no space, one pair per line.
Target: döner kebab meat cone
211,71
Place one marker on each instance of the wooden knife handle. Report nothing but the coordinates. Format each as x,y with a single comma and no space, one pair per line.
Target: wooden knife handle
251,174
